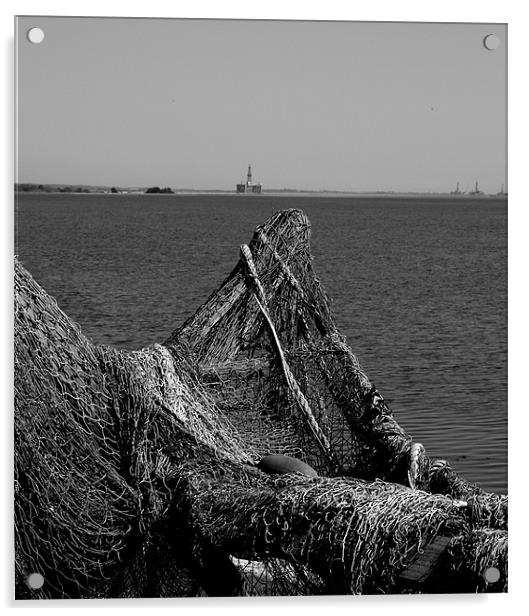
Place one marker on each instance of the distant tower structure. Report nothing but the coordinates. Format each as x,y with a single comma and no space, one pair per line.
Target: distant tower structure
249,186
476,190
456,191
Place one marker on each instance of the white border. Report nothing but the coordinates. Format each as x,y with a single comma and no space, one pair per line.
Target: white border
499,11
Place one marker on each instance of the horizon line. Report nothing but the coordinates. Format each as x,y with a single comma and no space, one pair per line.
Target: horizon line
264,190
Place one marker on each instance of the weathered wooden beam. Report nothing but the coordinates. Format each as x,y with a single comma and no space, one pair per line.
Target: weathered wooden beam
424,563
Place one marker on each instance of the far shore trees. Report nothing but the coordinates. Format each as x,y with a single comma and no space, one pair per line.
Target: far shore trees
156,190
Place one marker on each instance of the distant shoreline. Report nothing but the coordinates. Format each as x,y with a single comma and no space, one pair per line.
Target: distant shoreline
96,190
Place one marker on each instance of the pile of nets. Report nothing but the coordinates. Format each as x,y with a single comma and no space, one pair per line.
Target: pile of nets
135,472
353,536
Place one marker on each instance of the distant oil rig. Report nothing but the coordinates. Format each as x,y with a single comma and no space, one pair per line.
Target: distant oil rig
476,190
249,186
457,191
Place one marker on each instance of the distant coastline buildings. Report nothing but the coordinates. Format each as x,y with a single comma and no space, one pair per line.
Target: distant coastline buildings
249,186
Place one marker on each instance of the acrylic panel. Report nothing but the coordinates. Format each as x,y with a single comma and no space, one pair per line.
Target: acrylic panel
260,308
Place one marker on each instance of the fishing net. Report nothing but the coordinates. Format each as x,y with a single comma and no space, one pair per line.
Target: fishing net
135,472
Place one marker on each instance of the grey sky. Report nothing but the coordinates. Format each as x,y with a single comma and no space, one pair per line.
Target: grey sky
330,105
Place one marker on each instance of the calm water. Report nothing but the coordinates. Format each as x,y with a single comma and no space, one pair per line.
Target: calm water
419,289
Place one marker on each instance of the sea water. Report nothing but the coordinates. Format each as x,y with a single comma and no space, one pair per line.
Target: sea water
419,287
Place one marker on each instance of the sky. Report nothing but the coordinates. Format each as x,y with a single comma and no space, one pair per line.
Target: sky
354,106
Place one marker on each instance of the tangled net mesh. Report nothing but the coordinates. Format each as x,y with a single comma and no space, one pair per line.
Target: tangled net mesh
135,472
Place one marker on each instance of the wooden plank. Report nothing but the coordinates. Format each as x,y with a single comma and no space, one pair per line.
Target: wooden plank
421,567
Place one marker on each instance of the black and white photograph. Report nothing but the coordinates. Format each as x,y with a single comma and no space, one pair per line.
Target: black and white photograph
260,308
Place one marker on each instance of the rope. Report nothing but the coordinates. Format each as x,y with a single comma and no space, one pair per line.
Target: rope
259,295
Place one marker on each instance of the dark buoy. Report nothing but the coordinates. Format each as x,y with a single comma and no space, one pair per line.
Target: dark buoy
279,465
